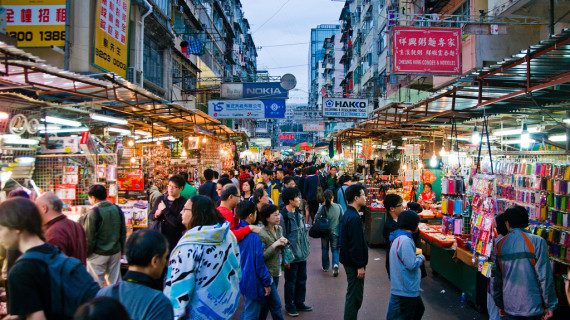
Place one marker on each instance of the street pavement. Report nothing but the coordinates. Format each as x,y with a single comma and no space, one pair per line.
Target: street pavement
327,294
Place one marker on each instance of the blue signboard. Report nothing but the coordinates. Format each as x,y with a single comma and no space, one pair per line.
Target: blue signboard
246,109
264,90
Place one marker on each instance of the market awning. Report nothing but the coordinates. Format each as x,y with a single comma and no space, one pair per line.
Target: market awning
535,81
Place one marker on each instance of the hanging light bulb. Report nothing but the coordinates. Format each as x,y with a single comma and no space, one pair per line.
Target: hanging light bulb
158,142
184,154
131,143
133,159
476,137
443,153
204,140
421,165
433,161
525,137
404,166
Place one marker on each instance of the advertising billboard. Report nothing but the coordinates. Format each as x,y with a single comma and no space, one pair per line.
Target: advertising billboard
427,50
345,108
112,36
246,109
36,23
318,126
331,127
286,137
256,90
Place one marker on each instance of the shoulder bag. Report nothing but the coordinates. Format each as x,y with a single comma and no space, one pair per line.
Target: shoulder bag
320,192
322,226
288,255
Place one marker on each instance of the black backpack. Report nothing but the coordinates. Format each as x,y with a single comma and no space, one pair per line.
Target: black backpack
70,283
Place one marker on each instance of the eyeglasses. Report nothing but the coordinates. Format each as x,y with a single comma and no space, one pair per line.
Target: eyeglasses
186,209
173,187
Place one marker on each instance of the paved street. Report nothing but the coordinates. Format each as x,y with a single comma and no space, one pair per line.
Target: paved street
326,294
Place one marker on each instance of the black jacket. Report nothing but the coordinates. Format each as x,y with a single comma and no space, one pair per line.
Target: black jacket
208,189
353,247
171,218
389,227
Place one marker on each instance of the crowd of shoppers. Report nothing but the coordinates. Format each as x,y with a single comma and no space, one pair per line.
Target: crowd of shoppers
236,239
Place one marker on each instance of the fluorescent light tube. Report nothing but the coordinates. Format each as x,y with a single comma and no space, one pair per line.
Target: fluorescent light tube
64,130
103,118
155,139
557,138
123,132
515,131
143,133
15,139
566,120
63,122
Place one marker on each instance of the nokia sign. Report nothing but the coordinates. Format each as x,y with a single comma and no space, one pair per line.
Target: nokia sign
257,90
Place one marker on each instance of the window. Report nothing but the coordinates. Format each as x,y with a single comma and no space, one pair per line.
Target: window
383,40
164,6
153,61
463,10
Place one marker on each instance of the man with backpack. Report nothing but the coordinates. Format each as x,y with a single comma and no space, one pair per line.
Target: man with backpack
44,283
295,229
147,254
106,233
523,287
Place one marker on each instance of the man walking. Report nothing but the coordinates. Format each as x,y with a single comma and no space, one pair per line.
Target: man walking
310,192
147,254
106,234
523,287
208,188
295,230
60,231
353,250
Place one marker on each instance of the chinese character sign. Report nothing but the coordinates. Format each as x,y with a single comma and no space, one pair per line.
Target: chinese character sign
427,50
36,23
111,36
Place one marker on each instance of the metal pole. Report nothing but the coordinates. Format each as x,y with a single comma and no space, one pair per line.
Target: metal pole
551,17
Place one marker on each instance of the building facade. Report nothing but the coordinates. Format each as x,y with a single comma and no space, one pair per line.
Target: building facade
316,56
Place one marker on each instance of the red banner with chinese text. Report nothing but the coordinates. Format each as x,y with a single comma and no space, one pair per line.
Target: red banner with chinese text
427,50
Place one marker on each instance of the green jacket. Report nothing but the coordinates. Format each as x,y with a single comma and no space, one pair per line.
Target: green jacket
106,233
188,191
271,255
295,230
334,214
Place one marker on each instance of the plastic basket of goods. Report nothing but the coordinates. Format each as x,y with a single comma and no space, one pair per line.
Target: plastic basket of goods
442,240
462,241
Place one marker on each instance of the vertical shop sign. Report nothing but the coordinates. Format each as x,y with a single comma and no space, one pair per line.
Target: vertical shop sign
36,23
112,36
427,50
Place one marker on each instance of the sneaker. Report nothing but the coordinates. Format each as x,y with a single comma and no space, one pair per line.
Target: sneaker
304,308
325,270
335,271
292,312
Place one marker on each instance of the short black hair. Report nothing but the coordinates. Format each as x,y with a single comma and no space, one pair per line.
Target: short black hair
427,184
312,170
209,174
216,174
178,180
333,167
289,194
244,209
143,245
223,181
408,220
184,175
391,201
102,307
414,206
500,224
266,211
97,191
280,169
267,172
225,175
352,192
322,166
517,217
288,179
227,191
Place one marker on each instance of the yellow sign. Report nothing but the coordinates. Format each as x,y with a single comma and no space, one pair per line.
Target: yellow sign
112,36
36,23
253,149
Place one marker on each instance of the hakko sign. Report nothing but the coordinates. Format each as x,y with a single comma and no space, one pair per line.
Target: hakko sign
427,50
345,108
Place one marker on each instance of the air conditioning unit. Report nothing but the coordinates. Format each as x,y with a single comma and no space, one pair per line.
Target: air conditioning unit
135,76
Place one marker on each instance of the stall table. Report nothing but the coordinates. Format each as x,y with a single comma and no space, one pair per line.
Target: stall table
465,277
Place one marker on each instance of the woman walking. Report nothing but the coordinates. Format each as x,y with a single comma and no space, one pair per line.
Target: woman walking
203,275
334,213
272,237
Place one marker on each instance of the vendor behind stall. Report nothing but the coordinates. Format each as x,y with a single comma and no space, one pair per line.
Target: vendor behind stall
427,195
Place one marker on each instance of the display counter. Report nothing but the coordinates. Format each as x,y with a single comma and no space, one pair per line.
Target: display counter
452,266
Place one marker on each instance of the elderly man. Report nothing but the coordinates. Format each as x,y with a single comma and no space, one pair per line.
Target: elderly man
60,231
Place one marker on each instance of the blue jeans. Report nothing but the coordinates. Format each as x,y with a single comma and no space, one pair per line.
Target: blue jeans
405,308
295,285
272,303
333,241
251,309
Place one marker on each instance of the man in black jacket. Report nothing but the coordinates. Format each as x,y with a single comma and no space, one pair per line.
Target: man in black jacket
208,188
353,250
167,209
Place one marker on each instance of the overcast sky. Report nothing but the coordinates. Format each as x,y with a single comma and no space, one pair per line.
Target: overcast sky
277,22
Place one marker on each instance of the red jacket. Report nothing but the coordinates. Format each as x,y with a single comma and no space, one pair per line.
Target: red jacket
67,235
234,223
